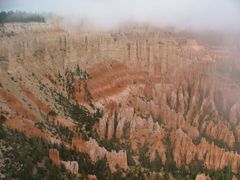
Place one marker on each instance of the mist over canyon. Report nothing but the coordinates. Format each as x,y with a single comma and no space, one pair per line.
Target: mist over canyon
119,90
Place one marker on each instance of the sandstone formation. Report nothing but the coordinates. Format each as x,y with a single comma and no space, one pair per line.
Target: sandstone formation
150,84
71,166
54,156
92,177
220,131
202,177
212,156
96,152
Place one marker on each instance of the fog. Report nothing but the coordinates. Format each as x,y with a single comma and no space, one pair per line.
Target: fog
194,14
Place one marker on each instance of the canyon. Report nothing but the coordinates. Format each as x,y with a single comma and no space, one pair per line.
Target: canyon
143,93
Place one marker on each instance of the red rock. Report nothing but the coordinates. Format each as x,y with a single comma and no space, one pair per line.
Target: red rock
54,156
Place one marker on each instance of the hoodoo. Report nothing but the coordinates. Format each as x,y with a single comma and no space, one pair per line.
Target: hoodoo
137,101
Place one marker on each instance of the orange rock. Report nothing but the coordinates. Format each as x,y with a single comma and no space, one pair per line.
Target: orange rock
213,156
54,156
202,177
26,126
96,152
18,106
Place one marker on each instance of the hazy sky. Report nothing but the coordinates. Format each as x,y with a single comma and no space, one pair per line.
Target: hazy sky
211,14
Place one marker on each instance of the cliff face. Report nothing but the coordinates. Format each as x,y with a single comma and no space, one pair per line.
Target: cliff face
71,166
54,156
149,85
213,157
11,29
96,152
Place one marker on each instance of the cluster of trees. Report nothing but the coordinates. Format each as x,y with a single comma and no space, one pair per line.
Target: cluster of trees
69,83
83,74
77,112
70,78
28,157
20,16
112,144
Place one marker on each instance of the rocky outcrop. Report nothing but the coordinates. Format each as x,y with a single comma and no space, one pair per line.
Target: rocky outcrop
91,147
71,166
62,121
54,156
117,158
26,126
18,106
213,157
167,116
92,177
202,177
149,84
114,122
129,127
123,127
219,131
96,152
42,107
145,130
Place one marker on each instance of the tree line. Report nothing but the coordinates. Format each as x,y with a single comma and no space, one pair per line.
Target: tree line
20,16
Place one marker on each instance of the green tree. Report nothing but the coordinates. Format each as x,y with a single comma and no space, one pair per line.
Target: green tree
144,159
156,165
